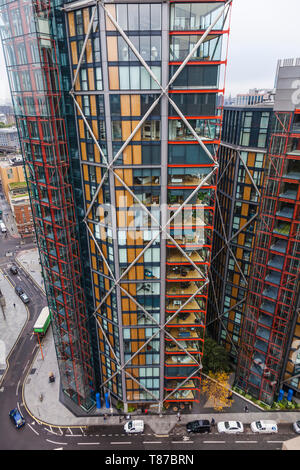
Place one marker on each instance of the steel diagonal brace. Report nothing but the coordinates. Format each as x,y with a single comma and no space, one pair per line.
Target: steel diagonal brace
159,230
234,236
228,244
84,45
226,311
160,327
220,316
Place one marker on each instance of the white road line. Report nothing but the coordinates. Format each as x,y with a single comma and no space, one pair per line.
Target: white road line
245,442
58,443
70,431
182,442
88,443
275,442
120,442
32,429
17,390
214,442
152,442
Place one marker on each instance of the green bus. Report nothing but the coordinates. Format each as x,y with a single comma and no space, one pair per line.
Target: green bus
43,322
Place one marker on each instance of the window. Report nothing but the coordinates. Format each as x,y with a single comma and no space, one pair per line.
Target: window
79,22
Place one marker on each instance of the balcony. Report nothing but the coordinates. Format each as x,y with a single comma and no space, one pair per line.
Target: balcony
183,289
190,346
271,292
276,262
194,177
173,384
286,212
186,318
280,246
183,273
273,277
268,306
175,256
282,229
186,334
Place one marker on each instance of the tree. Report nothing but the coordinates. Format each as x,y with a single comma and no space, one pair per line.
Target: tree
215,357
217,388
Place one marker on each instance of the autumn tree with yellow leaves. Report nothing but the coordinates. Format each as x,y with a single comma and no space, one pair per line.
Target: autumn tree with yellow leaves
217,388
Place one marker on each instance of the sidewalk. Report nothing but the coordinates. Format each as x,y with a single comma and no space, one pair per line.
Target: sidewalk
13,323
51,411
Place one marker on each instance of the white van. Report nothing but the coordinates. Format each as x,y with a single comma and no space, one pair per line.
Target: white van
264,426
2,227
134,426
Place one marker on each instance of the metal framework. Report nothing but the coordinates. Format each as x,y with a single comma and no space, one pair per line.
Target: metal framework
39,107
162,229
274,281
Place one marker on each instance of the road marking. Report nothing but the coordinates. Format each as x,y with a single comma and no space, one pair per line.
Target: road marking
152,442
182,442
120,442
245,442
33,429
58,443
17,390
275,442
88,443
214,442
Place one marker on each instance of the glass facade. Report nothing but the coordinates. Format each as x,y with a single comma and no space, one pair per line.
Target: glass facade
268,358
241,175
146,135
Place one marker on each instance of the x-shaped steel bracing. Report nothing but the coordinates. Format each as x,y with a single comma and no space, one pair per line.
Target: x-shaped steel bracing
159,229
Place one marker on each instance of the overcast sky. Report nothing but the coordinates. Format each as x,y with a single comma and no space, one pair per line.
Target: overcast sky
262,31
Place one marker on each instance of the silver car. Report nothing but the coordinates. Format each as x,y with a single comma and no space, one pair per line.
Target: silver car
296,427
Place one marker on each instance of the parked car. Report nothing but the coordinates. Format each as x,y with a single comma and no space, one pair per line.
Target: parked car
13,269
3,228
17,418
199,426
134,426
19,291
24,297
296,427
230,427
264,426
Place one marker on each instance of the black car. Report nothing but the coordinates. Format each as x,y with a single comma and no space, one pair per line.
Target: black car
199,426
19,290
13,269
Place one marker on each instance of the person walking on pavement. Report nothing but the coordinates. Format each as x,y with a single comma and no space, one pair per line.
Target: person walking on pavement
15,305
246,409
178,416
213,422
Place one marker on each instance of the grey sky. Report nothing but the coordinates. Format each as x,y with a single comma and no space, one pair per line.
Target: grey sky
262,31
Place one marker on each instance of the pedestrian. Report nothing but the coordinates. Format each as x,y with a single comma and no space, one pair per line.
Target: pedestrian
246,409
178,416
14,305
213,422
146,411
104,417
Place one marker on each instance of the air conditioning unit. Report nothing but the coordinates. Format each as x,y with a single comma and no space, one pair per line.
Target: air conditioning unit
177,302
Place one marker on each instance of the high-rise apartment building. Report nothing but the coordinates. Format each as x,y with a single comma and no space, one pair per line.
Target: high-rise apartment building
242,158
269,355
117,104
